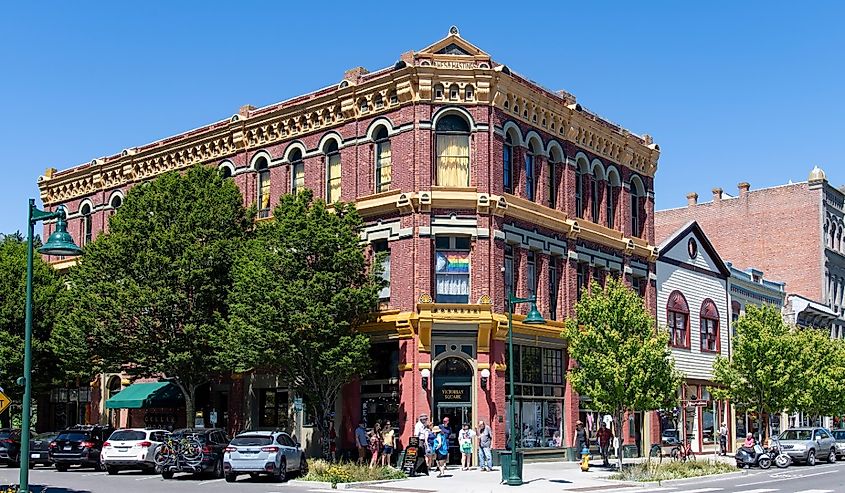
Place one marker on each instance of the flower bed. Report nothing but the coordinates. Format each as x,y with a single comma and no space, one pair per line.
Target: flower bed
348,472
652,471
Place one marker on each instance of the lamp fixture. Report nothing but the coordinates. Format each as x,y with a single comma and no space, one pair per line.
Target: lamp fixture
485,377
425,374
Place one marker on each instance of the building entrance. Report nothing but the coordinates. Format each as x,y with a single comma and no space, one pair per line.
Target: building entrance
453,399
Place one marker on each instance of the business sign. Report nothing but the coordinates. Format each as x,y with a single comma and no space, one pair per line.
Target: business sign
454,394
697,403
5,402
297,404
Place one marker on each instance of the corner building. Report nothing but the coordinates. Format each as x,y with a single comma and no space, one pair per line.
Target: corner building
476,181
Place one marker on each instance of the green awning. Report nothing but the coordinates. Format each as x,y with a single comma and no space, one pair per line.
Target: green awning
147,394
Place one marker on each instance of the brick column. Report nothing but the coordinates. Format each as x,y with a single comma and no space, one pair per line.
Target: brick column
520,259
571,404
541,174
237,402
542,266
519,170
498,392
567,190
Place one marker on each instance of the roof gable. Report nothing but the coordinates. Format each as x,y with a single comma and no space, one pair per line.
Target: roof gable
453,44
677,248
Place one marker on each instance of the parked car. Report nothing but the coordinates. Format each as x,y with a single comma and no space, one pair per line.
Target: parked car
132,448
79,445
808,444
193,450
10,447
39,448
839,436
670,437
263,452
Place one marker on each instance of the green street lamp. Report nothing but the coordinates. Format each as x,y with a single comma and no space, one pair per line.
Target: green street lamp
59,243
533,317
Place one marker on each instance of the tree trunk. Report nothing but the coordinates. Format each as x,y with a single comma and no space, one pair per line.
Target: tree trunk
189,396
617,418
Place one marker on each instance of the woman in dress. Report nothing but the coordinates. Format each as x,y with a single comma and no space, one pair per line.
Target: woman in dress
375,444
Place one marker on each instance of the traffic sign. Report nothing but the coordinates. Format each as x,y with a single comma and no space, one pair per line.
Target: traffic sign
297,404
5,402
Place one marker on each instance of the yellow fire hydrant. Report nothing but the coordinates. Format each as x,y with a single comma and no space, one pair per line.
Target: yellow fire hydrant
585,459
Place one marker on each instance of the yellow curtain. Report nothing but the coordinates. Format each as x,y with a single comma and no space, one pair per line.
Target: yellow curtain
298,176
334,178
384,167
264,191
453,160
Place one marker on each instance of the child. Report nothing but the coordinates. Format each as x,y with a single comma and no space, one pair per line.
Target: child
465,437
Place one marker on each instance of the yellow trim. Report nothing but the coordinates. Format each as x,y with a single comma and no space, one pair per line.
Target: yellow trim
406,366
423,366
482,366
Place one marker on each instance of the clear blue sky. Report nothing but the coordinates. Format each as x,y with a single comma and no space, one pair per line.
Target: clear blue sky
731,91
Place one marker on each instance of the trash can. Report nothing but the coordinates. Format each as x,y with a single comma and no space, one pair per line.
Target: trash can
495,456
505,459
573,454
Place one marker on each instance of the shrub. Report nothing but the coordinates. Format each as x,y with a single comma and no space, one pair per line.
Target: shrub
652,471
348,472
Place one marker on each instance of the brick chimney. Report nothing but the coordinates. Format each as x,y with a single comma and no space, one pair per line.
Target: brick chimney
245,109
354,75
743,188
692,199
717,194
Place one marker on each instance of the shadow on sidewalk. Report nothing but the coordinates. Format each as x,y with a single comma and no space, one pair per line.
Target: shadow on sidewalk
38,488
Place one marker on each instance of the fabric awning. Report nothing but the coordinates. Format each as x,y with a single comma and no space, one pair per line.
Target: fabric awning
147,394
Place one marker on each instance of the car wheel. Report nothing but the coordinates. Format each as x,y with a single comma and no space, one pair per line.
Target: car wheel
61,467
811,458
303,467
112,470
99,467
831,458
231,478
282,473
218,469
167,474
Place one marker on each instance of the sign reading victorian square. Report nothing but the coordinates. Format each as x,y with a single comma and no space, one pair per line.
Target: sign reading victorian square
453,394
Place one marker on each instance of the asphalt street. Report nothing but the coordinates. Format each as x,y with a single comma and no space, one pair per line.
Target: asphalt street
823,478
89,481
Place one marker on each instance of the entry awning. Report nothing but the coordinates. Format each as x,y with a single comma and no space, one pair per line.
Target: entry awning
147,394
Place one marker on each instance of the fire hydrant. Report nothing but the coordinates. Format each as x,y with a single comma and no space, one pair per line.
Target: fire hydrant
585,459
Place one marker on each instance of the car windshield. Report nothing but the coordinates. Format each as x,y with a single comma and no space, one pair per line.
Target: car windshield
839,434
126,435
45,436
72,436
5,434
252,440
795,435
192,434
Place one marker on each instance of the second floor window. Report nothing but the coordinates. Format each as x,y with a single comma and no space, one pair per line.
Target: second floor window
579,191
610,200
709,317
677,318
452,152
637,202
297,170
333,174
583,278
263,187
529,174
551,185
383,161
381,247
452,269
87,224
532,274
595,198
553,288
507,165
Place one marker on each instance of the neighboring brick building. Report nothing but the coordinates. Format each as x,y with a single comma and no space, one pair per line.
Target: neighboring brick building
475,180
792,232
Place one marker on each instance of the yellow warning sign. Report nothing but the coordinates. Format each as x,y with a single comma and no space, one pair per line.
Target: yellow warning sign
4,402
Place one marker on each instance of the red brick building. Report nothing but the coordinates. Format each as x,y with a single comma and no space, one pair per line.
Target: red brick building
792,232
476,181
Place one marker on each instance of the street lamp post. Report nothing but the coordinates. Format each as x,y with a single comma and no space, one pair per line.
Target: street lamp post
533,317
59,243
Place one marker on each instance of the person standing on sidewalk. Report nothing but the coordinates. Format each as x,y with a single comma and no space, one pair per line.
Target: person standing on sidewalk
441,449
375,445
723,439
604,436
429,447
485,443
421,432
580,439
465,437
388,440
362,441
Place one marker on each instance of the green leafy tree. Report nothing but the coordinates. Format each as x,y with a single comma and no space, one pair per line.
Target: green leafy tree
761,372
301,287
819,362
47,287
150,295
624,361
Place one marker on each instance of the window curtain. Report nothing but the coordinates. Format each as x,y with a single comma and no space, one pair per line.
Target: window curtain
453,284
453,160
383,166
298,176
264,190
333,178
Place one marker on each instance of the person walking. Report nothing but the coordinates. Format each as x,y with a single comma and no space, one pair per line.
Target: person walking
332,442
429,450
441,449
604,436
375,445
579,440
465,437
485,444
421,432
362,441
723,439
388,440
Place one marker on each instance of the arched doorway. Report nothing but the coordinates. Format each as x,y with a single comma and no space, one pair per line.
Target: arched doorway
453,398
113,387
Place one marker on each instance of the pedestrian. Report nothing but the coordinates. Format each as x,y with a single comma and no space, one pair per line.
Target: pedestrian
604,436
429,450
441,449
362,441
723,438
332,442
465,437
375,445
388,440
444,427
485,444
579,440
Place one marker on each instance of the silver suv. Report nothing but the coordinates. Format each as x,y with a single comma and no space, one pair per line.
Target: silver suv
806,444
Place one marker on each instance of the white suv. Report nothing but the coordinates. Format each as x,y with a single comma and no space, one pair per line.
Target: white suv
132,448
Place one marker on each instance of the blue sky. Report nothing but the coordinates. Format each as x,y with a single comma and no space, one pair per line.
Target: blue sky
732,91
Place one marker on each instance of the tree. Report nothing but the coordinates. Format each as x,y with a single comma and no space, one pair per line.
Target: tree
150,294
761,372
819,362
624,361
301,287
47,288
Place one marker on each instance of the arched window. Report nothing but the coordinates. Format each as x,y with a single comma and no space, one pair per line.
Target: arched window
529,173
580,171
225,172
261,166
595,195
115,203
452,168
87,225
507,164
611,196
332,172
709,317
551,185
637,204
677,318
383,160
297,171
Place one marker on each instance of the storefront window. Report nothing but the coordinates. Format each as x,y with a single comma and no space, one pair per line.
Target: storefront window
708,419
273,408
380,389
539,396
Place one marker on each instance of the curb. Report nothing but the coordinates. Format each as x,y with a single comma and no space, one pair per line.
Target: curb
364,484
313,484
709,477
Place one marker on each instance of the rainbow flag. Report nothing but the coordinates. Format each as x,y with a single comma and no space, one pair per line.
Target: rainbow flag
452,263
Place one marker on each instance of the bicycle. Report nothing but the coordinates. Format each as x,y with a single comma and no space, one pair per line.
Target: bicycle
187,450
682,453
656,452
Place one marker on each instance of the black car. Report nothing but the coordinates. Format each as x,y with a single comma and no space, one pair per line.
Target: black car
10,447
80,446
193,450
39,448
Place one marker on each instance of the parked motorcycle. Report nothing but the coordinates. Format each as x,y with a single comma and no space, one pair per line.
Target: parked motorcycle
756,457
781,458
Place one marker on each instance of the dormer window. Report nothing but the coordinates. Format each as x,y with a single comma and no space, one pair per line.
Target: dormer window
438,91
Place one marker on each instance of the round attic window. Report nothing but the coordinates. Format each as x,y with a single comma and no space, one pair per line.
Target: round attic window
692,248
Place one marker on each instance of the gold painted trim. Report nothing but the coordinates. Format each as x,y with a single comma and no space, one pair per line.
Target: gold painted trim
483,366
406,366
423,366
